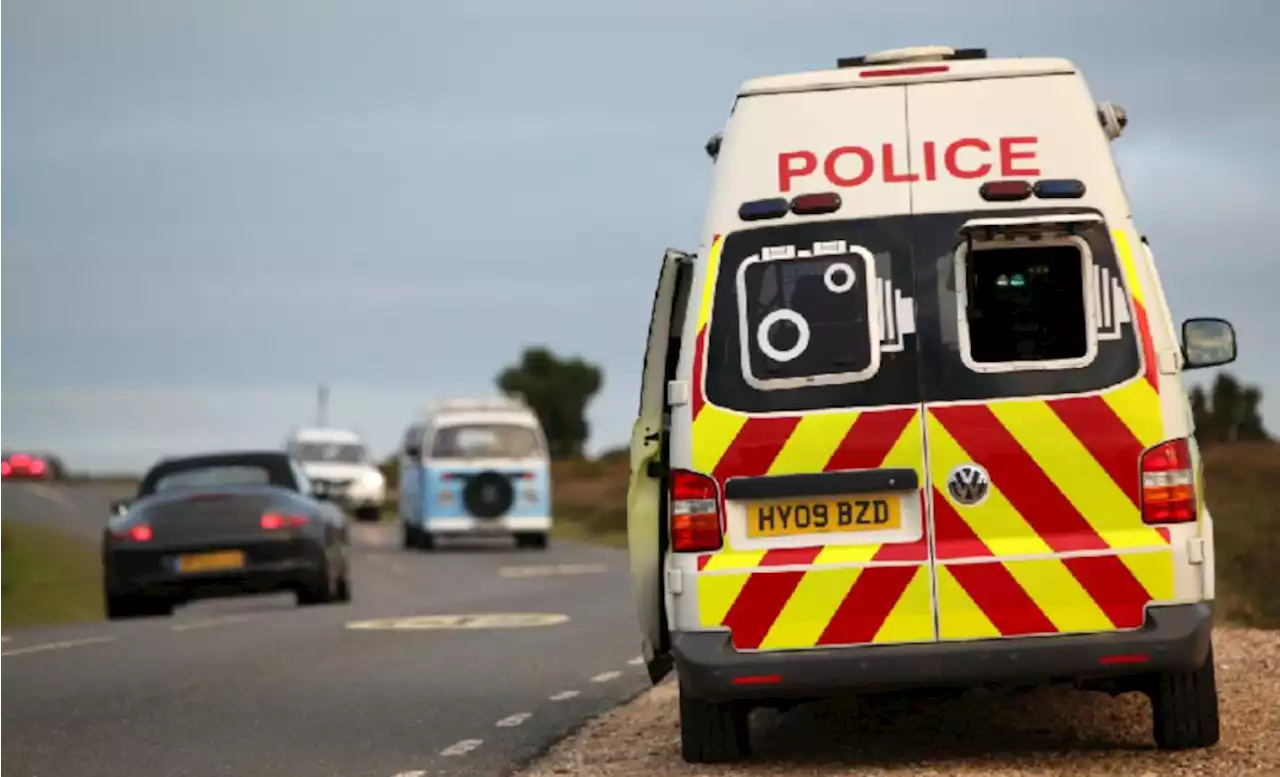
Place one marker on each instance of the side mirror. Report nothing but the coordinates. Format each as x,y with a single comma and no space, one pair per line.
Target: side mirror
120,506
320,490
1207,342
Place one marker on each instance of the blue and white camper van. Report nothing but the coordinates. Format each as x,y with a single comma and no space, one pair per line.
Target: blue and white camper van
475,467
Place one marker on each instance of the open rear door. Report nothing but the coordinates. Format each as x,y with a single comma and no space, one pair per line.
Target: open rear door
646,520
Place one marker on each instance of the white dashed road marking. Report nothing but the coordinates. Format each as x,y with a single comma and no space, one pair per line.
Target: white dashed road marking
552,570
225,620
414,773
564,695
511,721
605,677
53,495
637,661
463,747
57,645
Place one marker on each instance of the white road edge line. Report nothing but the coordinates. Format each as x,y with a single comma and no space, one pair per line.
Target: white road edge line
463,747
605,677
225,620
57,645
511,721
564,695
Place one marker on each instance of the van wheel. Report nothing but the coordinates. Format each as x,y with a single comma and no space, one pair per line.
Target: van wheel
1184,708
712,732
408,536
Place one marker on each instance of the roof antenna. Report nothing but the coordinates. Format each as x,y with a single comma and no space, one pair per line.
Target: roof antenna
322,405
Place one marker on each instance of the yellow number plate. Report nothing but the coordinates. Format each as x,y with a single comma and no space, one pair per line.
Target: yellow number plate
824,516
206,562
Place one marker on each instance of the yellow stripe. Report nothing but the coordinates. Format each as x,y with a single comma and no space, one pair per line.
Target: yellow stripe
1132,279
1059,595
846,554
995,521
709,288
812,443
1154,571
1079,476
911,619
810,609
1138,406
716,594
959,617
734,559
908,451
713,433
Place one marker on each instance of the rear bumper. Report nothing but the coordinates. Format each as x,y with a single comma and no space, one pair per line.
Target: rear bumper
269,566
1174,638
484,526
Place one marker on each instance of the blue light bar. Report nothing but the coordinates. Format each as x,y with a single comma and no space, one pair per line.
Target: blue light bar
1059,189
763,209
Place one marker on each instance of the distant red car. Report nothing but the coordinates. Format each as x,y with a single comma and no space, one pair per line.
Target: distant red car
30,466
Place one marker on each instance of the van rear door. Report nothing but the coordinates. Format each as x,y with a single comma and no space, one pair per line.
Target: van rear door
1038,376
805,413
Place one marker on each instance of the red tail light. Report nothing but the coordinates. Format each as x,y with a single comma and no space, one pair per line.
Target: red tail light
1168,483
37,467
140,532
695,512
273,521
5,469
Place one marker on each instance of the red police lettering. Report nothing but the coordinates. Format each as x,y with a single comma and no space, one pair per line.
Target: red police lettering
867,166
965,158
808,163
1008,155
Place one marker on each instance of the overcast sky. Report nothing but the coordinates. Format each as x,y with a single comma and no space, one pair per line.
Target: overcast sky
208,207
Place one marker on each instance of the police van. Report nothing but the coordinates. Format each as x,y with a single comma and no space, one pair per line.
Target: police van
475,466
913,416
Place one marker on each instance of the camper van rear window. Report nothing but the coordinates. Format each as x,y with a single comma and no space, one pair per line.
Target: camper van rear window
805,315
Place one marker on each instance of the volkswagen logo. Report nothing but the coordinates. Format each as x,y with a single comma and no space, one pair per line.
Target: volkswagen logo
969,484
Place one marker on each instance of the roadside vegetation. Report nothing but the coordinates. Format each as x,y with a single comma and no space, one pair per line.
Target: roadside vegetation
48,577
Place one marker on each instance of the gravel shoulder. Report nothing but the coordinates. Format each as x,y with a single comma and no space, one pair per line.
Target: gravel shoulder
1049,732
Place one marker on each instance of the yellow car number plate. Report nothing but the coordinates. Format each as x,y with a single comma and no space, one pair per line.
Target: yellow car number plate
824,516
208,562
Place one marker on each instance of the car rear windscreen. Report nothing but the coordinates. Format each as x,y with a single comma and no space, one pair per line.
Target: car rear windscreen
485,441
213,476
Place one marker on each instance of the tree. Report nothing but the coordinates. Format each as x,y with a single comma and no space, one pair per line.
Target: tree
1229,413
558,390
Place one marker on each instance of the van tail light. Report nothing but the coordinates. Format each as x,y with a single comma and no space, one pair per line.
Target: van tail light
1168,483
695,512
139,532
273,521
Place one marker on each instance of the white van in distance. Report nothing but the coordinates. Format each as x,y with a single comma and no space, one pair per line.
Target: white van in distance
339,463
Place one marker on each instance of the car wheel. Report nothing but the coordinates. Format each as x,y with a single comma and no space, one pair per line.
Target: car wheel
712,732
316,592
408,536
344,589
121,606
1184,708
532,541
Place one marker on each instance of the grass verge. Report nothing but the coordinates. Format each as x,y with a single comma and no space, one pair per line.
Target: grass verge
48,577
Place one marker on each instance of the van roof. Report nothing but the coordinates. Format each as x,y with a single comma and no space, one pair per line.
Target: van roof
883,69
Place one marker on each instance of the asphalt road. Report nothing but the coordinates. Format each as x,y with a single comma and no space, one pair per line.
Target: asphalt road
257,686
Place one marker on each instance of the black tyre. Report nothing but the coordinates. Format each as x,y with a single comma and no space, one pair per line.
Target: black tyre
533,541
408,536
121,606
321,591
713,732
344,589
1184,708
426,541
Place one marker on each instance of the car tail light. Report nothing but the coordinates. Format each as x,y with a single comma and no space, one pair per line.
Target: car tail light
695,512
37,467
5,469
1168,483
273,521
139,532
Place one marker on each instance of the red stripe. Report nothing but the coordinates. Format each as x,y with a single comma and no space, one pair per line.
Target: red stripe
867,605
779,557
1107,439
1148,348
870,439
1019,478
1113,587
1010,609
907,551
758,605
1165,535
699,351
755,447
953,538
703,560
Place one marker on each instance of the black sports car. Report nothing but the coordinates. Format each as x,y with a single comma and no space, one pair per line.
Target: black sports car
223,524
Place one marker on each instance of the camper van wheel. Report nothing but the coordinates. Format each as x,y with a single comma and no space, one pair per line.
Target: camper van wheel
712,732
408,536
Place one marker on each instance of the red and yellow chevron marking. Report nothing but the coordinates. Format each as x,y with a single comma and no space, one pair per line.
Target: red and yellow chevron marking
1141,323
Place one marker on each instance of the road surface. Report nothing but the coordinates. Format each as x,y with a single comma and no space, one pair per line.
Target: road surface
261,687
